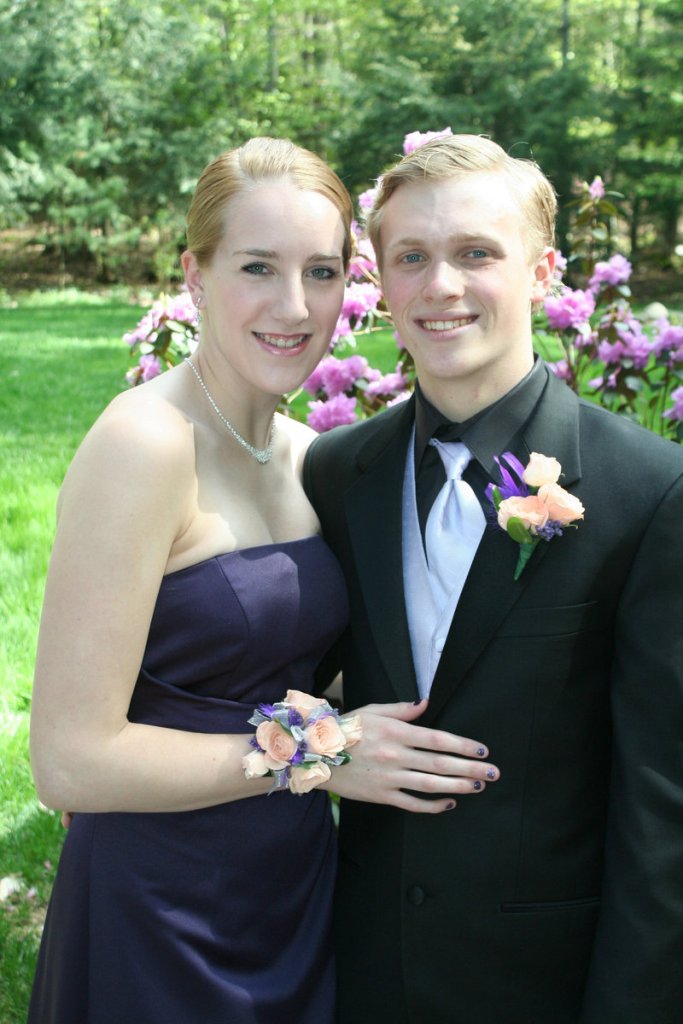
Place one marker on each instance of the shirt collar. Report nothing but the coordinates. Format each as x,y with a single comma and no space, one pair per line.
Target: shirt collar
489,432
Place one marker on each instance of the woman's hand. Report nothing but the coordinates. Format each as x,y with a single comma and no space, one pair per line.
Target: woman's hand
397,760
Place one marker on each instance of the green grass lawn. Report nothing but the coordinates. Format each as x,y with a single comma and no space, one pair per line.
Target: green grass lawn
61,361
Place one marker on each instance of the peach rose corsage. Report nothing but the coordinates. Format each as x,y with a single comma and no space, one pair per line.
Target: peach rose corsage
298,741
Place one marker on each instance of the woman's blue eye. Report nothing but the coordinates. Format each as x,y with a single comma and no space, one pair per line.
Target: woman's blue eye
479,253
255,268
323,273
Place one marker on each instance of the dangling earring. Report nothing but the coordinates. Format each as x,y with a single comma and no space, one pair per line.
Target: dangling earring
198,315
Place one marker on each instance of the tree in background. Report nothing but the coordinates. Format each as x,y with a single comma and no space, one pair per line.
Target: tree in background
109,110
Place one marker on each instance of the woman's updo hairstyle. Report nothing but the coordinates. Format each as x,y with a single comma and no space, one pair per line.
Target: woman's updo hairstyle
261,159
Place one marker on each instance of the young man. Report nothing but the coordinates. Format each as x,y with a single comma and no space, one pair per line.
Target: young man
556,897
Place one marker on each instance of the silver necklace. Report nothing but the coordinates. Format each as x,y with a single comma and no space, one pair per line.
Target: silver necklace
261,455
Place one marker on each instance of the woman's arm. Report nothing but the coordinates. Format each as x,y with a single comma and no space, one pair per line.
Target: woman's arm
125,501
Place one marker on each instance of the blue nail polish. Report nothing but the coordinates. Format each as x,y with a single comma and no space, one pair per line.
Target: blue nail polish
450,806
481,751
477,784
490,773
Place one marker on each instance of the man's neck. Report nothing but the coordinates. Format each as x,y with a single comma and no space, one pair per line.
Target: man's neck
460,400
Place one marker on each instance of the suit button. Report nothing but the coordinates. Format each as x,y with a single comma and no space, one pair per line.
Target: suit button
439,644
416,895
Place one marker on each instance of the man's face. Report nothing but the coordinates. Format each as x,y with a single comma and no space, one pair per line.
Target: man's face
459,281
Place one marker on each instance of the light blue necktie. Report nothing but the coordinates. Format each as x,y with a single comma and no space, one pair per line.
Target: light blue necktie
454,527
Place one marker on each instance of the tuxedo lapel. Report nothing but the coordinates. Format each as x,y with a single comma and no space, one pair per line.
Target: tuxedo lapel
373,507
490,591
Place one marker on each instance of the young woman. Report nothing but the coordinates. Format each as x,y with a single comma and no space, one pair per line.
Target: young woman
188,583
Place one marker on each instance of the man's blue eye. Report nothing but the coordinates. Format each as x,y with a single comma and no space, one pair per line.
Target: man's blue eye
413,257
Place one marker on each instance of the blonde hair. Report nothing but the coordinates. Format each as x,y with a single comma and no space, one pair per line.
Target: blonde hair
258,160
454,155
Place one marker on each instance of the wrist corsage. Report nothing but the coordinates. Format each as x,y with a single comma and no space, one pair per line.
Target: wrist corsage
530,504
298,741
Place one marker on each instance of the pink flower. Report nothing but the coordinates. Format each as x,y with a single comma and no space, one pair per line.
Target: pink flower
541,469
531,509
611,352
403,397
151,367
637,345
335,376
560,265
561,369
616,270
366,199
562,506
570,309
676,411
180,308
324,737
277,745
314,383
414,140
596,188
143,331
389,384
360,298
254,764
333,413
364,262
669,338
304,703
343,332
303,780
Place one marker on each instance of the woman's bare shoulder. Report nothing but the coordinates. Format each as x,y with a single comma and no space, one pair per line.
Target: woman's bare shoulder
141,438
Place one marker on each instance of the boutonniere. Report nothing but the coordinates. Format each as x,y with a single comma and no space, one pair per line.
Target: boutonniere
530,504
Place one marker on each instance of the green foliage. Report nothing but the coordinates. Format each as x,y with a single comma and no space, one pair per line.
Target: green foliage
108,112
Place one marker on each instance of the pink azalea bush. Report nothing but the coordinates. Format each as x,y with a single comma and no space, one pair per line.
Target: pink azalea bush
163,336
590,335
609,353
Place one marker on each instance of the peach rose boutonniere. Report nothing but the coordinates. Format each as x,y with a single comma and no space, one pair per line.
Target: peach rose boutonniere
530,504
298,741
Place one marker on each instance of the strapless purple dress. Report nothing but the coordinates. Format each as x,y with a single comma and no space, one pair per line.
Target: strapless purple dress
222,915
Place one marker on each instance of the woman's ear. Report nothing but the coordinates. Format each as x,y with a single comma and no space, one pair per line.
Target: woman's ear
193,274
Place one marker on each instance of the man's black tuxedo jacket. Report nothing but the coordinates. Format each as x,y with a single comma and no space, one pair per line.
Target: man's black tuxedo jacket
555,896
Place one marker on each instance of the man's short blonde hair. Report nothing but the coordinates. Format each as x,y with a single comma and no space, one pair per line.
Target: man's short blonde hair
454,155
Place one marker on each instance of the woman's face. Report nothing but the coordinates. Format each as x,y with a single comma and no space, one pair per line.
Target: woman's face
273,290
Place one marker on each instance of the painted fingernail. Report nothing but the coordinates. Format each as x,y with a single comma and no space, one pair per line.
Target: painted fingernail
477,784
481,751
490,773
450,806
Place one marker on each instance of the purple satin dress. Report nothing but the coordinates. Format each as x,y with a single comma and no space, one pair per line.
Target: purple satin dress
222,915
